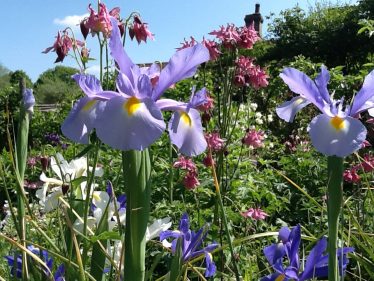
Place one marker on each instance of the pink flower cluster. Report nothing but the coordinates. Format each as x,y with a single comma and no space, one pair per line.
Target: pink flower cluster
367,165
190,180
254,213
232,36
215,143
211,45
139,30
295,141
249,74
254,138
99,22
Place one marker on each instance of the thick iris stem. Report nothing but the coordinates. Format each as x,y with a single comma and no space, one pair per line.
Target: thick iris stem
136,172
334,205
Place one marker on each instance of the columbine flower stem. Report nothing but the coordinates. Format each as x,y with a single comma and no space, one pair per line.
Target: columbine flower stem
171,172
334,205
224,219
136,172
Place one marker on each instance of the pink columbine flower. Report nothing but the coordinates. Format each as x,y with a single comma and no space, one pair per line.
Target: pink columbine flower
31,161
140,31
212,47
187,44
61,46
191,181
351,175
248,36
368,163
208,105
214,141
254,213
254,138
185,164
208,161
98,22
229,35
249,74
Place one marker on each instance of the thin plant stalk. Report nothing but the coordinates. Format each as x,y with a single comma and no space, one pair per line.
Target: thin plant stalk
224,219
334,206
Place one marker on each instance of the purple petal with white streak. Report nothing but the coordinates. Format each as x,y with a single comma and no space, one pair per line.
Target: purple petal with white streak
81,119
301,84
288,109
188,137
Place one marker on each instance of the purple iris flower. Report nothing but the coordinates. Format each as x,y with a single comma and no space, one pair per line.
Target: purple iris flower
15,263
336,131
191,244
28,100
316,265
131,118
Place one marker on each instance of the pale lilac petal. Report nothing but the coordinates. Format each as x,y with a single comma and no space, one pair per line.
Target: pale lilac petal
198,98
169,104
152,71
91,86
340,142
364,99
288,109
186,132
144,87
120,130
182,65
322,80
124,85
117,51
81,119
301,84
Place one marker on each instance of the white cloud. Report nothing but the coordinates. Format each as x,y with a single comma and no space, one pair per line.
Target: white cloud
94,70
71,21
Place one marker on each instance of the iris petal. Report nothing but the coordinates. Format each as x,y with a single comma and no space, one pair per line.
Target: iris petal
80,121
134,128
365,97
341,140
186,132
301,84
183,64
314,256
288,109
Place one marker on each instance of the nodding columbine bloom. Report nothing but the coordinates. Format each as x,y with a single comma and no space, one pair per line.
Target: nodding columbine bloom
336,131
254,138
15,263
131,118
191,244
316,265
140,31
256,214
62,45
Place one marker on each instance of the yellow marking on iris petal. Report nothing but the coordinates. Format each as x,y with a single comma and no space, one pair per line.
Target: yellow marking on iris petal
89,105
185,118
337,123
96,197
280,277
132,105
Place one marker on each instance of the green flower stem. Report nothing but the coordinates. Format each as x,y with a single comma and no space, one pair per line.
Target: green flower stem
171,173
334,205
21,158
224,219
136,172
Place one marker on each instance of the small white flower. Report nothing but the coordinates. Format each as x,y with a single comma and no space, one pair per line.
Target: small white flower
270,118
253,106
258,115
259,121
157,227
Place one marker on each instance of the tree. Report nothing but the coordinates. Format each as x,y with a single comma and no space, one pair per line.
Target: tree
56,85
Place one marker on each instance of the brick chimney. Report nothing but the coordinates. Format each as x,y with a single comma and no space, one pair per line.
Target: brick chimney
256,19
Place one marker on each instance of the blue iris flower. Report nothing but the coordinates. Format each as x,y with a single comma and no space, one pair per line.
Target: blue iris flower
316,265
191,243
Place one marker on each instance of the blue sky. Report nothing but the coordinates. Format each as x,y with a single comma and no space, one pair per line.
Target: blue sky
30,26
